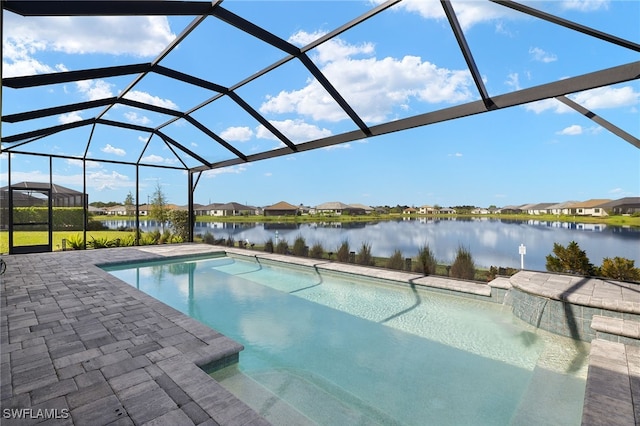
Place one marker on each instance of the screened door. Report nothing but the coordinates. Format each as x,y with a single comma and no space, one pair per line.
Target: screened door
30,228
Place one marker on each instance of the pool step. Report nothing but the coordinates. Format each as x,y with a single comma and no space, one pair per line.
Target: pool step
616,330
283,396
548,400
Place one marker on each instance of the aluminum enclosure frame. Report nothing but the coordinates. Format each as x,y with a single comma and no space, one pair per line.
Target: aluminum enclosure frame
204,9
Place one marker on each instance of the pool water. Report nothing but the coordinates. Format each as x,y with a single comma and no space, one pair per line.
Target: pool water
324,349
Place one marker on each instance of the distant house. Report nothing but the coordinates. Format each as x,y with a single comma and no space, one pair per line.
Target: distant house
144,209
446,210
338,208
538,209
281,209
511,210
480,210
627,205
120,210
367,209
229,209
526,207
593,207
427,210
410,210
96,210
561,208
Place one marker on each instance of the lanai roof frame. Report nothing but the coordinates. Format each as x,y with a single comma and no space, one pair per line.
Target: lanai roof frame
202,10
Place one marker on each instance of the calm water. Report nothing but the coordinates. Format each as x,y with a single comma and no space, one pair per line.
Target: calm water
491,241
321,350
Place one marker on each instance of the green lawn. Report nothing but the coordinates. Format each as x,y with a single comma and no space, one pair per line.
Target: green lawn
28,238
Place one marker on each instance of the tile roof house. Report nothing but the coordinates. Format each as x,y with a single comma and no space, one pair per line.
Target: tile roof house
561,208
367,209
593,207
281,208
338,208
427,210
626,205
538,209
228,209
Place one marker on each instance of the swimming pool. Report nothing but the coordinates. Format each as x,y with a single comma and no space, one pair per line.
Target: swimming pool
321,348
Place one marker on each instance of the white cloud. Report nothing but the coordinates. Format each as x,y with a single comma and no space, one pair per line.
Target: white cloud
140,36
108,149
607,97
339,146
240,134
90,164
457,154
70,117
585,5
513,81
295,130
26,37
225,170
392,82
594,99
133,117
103,180
332,50
469,13
268,174
541,55
571,130
95,89
147,98
157,159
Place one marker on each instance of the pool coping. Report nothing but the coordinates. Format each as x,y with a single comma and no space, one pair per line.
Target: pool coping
73,337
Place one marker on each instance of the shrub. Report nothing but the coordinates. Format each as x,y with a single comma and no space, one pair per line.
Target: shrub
75,242
165,237
317,251
101,242
208,238
127,241
395,261
619,268
569,259
463,266
155,236
300,246
180,223
364,257
268,246
230,241
426,261
282,247
148,238
342,254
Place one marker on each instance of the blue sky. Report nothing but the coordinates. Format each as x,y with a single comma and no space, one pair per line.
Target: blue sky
400,63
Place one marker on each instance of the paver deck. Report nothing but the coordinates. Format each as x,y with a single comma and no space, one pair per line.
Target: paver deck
80,346
90,349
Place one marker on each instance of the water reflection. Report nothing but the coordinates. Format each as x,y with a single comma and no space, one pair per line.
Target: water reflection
491,241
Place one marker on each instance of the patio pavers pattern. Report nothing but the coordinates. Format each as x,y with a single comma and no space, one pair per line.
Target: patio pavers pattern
93,350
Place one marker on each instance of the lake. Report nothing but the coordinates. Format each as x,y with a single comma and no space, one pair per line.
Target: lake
491,241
